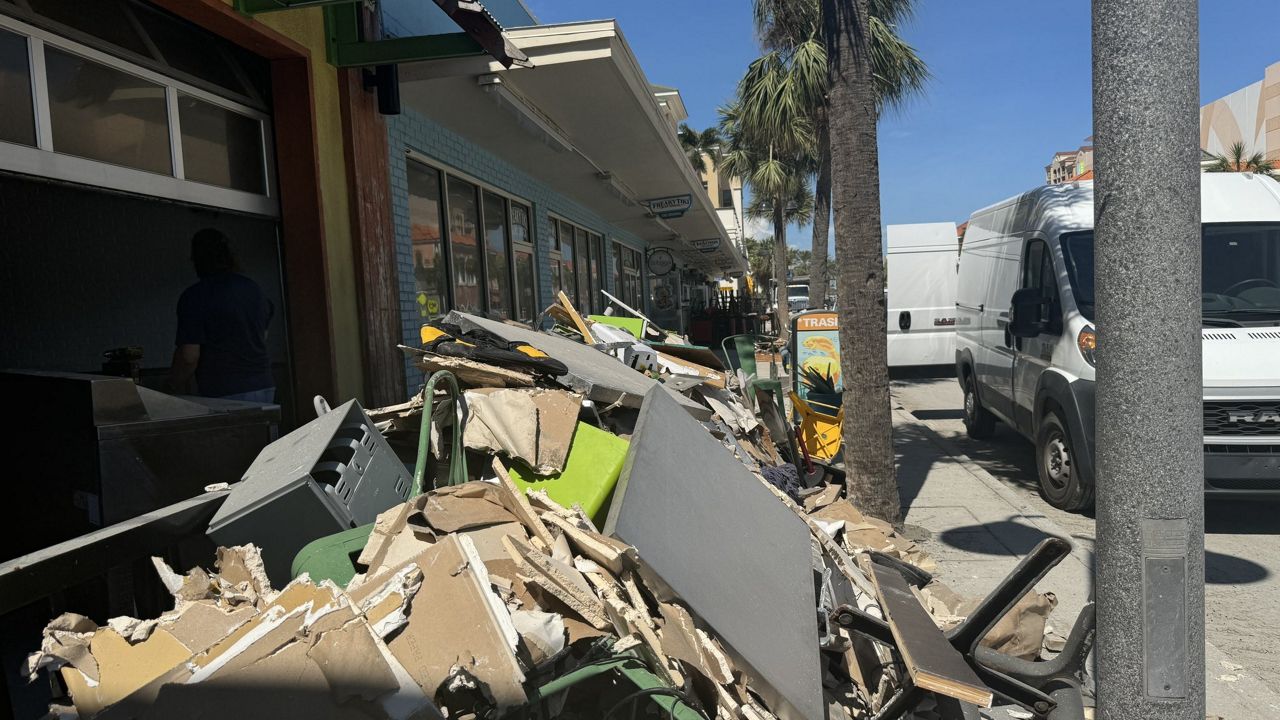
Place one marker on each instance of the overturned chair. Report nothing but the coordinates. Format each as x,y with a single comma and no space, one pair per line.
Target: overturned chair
951,666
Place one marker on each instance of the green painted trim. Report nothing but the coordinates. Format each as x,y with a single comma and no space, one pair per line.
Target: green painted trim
255,7
394,51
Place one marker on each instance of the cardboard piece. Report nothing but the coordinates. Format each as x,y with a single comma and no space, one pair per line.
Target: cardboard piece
752,582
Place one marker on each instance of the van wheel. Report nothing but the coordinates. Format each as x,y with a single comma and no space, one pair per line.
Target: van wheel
979,423
1061,483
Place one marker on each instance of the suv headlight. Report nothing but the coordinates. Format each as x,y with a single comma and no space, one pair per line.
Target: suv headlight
1087,341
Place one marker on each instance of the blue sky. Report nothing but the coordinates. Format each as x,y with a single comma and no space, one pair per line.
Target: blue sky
1011,84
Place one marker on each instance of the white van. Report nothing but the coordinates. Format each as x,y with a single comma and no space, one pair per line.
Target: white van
1036,374
921,266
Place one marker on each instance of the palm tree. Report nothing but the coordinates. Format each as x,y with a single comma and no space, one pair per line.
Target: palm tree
855,98
702,148
1237,159
775,157
793,30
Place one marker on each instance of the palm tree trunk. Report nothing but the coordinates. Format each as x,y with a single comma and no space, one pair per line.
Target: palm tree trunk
871,480
821,211
780,269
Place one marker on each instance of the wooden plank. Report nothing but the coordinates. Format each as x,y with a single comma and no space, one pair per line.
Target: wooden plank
933,663
578,322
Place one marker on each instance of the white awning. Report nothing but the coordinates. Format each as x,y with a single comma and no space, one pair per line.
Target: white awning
583,120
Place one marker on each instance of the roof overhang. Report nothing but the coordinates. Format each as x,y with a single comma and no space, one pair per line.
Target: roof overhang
584,121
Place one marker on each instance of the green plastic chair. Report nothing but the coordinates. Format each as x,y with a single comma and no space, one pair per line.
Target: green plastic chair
743,357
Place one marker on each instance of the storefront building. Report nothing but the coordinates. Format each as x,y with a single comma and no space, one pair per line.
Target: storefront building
509,186
128,126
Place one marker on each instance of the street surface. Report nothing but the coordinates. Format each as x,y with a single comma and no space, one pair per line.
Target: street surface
1242,546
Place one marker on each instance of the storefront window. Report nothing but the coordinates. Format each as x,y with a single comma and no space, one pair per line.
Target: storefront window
496,243
567,269
465,245
597,276
221,147
584,270
429,270
522,249
627,275
18,121
105,114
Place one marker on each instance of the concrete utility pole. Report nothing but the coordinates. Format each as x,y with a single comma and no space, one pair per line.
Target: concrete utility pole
1150,572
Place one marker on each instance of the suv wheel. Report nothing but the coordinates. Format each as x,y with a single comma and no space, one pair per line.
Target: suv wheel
979,423
1061,483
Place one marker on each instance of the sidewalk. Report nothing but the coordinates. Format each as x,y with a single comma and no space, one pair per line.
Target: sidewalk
978,530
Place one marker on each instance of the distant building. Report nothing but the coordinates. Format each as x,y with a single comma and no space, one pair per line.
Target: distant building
1070,165
1250,115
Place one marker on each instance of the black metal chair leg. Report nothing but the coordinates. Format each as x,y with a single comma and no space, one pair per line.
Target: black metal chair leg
966,636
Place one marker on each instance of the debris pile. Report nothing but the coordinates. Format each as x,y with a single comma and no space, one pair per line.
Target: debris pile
575,544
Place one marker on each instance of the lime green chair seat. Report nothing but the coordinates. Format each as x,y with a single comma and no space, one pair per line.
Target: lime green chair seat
589,476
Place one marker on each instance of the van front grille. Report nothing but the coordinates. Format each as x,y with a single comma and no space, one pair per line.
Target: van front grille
1242,419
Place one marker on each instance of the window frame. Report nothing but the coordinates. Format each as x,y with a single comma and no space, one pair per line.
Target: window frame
634,297
44,161
508,198
593,241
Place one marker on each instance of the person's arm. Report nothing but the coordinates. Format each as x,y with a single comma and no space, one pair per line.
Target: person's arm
185,360
186,351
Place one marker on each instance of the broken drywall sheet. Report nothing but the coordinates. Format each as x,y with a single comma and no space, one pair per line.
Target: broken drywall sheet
455,620
600,377
465,506
533,426
680,502
122,668
559,579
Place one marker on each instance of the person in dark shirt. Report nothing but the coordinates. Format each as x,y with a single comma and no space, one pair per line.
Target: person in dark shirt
222,328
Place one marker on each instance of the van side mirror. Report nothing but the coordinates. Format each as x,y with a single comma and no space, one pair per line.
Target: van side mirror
1026,313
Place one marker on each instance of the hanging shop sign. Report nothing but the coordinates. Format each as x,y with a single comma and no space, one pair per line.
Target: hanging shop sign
660,262
709,245
670,207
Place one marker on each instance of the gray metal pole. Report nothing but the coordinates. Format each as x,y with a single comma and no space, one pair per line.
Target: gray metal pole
1150,571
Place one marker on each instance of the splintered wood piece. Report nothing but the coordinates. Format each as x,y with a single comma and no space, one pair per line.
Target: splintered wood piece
578,322
596,547
560,580
933,663
519,505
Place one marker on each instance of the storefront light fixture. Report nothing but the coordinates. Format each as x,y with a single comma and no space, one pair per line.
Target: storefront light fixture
529,118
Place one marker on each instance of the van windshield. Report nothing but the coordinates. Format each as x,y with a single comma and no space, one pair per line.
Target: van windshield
1240,272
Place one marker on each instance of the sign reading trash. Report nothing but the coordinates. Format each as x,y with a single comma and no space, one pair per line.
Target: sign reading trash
816,355
670,207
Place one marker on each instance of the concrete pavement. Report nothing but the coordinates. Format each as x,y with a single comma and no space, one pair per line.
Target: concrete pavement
974,507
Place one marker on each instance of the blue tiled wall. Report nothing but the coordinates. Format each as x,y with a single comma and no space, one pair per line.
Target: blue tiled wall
411,131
